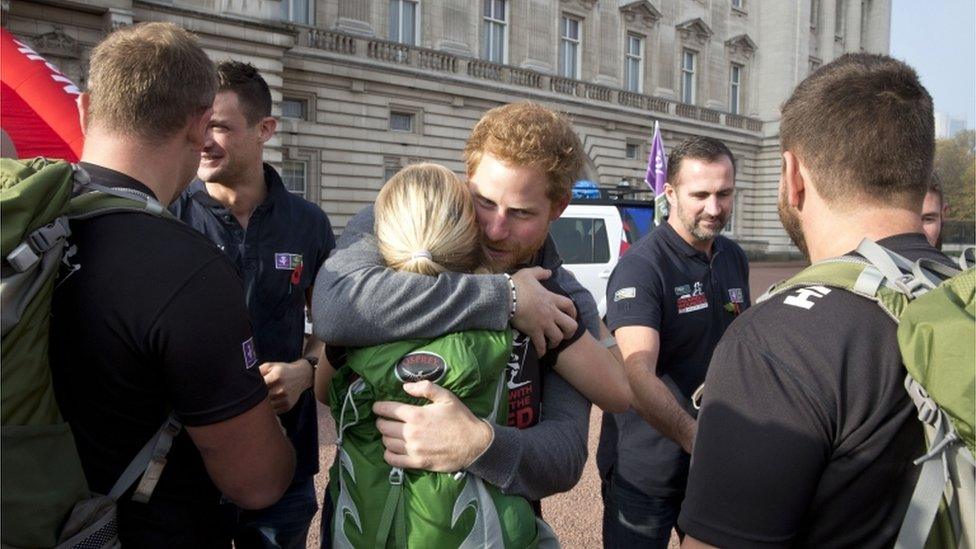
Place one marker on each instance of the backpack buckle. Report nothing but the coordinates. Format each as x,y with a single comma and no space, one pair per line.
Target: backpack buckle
23,257
396,476
928,410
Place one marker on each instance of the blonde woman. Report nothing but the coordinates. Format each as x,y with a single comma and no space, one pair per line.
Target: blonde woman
425,224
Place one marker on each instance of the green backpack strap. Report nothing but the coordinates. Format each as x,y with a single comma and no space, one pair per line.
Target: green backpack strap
94,199
967,259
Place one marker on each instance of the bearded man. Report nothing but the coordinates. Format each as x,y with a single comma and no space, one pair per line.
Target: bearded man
669,301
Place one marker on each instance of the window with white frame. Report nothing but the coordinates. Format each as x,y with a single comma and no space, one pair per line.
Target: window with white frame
494,32
297,11
570,39
403,21
737,4
689,60
294,174
735,89
634,64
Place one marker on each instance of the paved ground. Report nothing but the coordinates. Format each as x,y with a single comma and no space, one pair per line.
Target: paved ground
576,516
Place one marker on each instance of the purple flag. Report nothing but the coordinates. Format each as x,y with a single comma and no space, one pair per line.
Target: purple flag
657,171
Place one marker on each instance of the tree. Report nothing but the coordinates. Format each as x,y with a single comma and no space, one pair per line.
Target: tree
955,162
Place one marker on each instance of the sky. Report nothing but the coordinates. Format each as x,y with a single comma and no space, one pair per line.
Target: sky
937,38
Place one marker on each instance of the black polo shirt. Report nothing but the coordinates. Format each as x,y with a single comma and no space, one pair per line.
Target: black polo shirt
807,436
286,241
690,299
152,321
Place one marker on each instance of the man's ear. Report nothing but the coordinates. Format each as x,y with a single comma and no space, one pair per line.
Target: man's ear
558,207
198,131
83,101
669,193
794,180
267,127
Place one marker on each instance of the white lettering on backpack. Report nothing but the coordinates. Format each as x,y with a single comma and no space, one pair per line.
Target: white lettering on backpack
803,295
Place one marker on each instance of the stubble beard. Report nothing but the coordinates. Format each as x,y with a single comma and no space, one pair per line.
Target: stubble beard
519,255
791,222
694,226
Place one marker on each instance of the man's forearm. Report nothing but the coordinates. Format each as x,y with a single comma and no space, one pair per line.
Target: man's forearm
546,458
656,404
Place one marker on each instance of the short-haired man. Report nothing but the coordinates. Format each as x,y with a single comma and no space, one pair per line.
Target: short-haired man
806,435
277,241
934,211
522,160
669,301
154,320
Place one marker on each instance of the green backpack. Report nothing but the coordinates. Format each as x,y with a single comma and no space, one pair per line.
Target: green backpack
935,309
381,506
45,500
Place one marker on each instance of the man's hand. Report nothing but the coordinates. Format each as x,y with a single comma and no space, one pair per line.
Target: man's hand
541,314
442,436
286,381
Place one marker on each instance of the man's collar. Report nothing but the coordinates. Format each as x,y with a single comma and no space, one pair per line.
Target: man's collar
680,245
113,178
198,190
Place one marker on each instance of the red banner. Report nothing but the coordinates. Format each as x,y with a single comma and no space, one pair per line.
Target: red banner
38,108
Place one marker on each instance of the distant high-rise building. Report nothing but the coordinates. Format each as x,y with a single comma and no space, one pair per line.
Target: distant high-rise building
947,126
364,87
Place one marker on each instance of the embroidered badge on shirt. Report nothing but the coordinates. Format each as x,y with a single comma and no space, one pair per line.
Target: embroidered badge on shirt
690,303
684,289
694,301
250,357
624,293
735,295
287,262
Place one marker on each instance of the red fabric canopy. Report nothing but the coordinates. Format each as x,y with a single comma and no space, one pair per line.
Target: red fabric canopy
38,108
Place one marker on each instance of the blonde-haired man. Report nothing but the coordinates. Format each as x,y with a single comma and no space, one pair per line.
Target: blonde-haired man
154,320
522,159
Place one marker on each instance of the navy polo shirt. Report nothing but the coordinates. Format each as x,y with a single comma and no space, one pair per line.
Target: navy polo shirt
286,241
690,299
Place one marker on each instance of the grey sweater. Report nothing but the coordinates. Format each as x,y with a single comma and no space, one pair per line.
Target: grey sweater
358,301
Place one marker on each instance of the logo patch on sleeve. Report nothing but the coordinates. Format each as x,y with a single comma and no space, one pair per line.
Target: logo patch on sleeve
624,293
286,261
250,356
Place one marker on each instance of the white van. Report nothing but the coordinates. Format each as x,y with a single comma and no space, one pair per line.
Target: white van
592,234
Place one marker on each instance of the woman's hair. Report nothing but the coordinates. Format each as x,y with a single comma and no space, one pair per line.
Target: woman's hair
425,222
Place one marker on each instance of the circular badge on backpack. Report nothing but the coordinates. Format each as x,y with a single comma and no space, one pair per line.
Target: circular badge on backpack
420,366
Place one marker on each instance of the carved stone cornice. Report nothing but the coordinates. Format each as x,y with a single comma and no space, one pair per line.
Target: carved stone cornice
641,10
57,44
585,5
116,18
695,31
741,45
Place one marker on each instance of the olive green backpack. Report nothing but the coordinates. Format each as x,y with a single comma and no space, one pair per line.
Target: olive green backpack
44,498
935,309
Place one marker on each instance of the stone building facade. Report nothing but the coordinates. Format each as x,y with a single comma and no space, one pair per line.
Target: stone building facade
364,87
